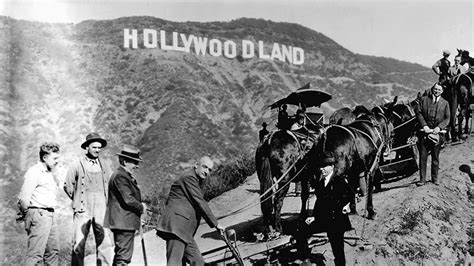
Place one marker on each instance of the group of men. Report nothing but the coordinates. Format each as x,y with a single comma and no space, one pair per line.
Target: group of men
446,71
104,201
111,205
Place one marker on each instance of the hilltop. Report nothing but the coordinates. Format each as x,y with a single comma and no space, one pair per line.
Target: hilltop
62,81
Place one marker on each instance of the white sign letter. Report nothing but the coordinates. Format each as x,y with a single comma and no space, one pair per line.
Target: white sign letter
261,52
298,51
127,37
146,38
164,46
248,50
215,47
230,49
200,45
276,52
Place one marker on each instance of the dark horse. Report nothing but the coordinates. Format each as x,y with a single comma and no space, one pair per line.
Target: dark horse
460,98
356,148
459,95
277,158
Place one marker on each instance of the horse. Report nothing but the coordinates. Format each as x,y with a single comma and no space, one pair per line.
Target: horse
277,157
346,115
461,98
356,147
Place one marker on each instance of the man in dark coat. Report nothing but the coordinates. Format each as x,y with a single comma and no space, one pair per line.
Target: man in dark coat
180,219
433,115
124,206
330,212
263,132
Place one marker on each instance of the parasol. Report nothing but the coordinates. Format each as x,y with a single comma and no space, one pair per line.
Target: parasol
305,96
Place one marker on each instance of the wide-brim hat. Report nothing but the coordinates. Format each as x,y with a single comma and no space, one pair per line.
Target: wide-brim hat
130,152
434,138
93,137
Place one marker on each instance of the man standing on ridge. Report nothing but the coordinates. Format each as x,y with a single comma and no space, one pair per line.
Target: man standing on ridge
87,185
124,206
433,115
182,214
37,200
441,67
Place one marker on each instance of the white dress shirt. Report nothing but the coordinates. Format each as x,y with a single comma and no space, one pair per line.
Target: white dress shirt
39,188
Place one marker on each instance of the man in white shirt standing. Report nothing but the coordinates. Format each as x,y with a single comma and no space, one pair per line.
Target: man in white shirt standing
37,200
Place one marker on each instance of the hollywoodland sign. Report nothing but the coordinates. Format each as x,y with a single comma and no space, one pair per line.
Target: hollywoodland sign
201,45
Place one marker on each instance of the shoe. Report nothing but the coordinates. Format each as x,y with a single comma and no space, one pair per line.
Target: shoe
421,183
436,183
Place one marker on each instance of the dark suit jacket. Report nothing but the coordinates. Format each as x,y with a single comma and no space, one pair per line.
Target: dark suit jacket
442,112
184,208
329,203
124,205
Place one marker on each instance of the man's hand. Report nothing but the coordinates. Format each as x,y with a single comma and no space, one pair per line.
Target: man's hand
346,209
427,130
144,207
309,220
436,130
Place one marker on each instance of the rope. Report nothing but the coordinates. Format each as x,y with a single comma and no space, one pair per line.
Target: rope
261,199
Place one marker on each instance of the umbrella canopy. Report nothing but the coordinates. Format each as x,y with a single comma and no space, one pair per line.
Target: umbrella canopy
304,95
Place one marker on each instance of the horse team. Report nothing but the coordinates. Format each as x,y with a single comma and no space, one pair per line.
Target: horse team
356,139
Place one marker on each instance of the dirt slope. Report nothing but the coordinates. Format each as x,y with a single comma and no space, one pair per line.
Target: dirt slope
429,224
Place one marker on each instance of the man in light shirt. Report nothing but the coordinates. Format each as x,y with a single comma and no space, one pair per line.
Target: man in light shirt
37,201
86,185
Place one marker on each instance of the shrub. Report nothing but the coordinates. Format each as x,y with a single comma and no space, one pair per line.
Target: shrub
229,176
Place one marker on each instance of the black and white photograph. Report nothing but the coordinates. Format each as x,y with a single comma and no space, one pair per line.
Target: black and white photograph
236,132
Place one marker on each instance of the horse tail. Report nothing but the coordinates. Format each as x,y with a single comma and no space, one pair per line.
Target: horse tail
264,173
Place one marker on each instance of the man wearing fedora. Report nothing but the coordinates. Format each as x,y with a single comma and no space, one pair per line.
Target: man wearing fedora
86,184
330,212
433,115
182,215
124,206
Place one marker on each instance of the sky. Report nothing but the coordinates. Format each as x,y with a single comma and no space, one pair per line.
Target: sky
415,31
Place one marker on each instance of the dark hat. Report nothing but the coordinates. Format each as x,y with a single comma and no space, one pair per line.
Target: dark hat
434,138
465,54
130,152
264,124
327,160
93,137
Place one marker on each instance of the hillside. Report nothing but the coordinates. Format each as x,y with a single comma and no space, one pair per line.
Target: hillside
61,81
429,225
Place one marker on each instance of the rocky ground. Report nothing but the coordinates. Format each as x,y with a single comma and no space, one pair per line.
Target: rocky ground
430,225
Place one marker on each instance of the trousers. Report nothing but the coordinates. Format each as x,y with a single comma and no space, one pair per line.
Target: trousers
425,147
43,242
92,217
179,252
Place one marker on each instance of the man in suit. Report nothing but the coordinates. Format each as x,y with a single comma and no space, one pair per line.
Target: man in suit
182,214
263,132
330,212
124,206
86,184
433,115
